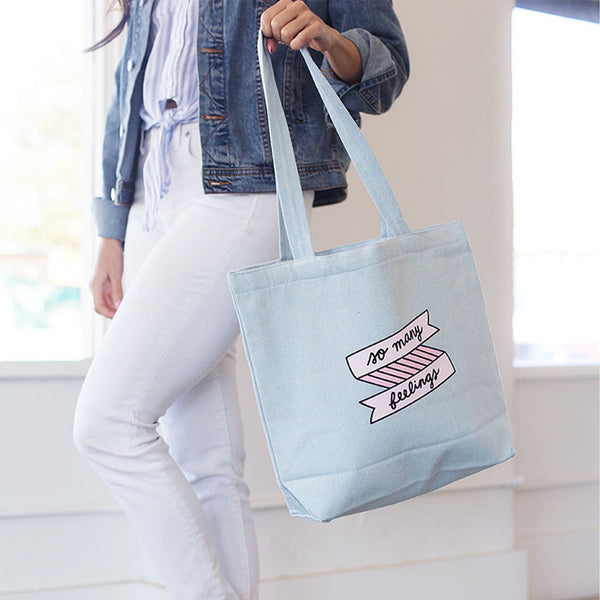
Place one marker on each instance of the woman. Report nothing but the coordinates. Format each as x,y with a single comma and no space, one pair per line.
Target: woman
189,192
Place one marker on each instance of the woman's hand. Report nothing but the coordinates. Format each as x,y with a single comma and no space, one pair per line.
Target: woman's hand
106,283
292,23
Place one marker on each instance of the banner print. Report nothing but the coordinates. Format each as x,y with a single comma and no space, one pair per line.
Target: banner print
402,364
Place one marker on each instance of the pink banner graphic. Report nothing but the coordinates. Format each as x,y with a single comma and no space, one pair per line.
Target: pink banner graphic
392,348
411,389
402,364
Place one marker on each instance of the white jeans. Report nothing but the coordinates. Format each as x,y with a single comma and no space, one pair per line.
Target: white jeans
158,415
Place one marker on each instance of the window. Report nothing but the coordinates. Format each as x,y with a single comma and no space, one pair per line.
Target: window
50,168
556,157
41,166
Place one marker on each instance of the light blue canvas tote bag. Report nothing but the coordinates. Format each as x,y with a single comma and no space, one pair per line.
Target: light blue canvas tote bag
372,363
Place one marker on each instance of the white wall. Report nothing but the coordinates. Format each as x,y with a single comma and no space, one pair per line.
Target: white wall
556,511
445,147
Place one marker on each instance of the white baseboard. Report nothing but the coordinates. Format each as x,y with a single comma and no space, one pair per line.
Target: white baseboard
117,591
500,576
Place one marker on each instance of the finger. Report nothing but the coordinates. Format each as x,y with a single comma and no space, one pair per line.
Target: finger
291,29
117,292
314,30
102,304
267,16
278,20
104,298
104,310
284,19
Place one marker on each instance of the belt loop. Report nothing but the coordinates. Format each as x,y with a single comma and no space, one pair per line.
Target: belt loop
142,140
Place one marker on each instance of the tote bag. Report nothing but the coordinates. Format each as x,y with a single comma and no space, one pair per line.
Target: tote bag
372,363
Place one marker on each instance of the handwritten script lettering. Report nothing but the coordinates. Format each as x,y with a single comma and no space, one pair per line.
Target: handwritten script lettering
403,365
392,348
415,332
412,387
374,357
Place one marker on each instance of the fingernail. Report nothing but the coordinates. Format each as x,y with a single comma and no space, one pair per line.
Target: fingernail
117,304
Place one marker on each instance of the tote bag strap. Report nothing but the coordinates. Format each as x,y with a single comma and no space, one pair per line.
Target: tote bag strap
294,231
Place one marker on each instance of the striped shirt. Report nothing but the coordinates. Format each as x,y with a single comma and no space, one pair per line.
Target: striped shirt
171,75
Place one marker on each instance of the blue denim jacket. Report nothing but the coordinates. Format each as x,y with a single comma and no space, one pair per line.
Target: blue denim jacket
236,150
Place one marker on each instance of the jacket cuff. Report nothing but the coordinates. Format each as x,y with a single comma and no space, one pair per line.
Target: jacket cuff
111,219
377,66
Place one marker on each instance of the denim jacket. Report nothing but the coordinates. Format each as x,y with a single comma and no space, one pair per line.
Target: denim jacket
236,149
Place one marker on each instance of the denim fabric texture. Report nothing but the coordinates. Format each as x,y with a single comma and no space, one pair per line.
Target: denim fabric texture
236,151
372,363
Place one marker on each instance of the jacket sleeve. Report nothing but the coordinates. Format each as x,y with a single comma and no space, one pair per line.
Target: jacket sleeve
111,219
374,28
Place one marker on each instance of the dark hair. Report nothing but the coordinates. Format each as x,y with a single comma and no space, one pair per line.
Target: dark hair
123,5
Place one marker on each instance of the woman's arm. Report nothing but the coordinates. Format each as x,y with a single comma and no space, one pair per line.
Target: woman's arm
344,58
369,28
292,23
111,219
375,30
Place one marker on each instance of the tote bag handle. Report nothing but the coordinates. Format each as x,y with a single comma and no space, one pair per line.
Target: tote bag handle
294,232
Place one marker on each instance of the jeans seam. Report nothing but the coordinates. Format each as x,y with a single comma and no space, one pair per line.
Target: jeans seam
236,485
243,527
183,510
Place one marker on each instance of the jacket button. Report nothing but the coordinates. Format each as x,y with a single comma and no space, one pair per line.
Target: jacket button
130,65
113,194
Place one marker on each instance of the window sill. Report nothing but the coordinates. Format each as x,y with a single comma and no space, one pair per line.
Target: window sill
65,369
549,372
75,369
